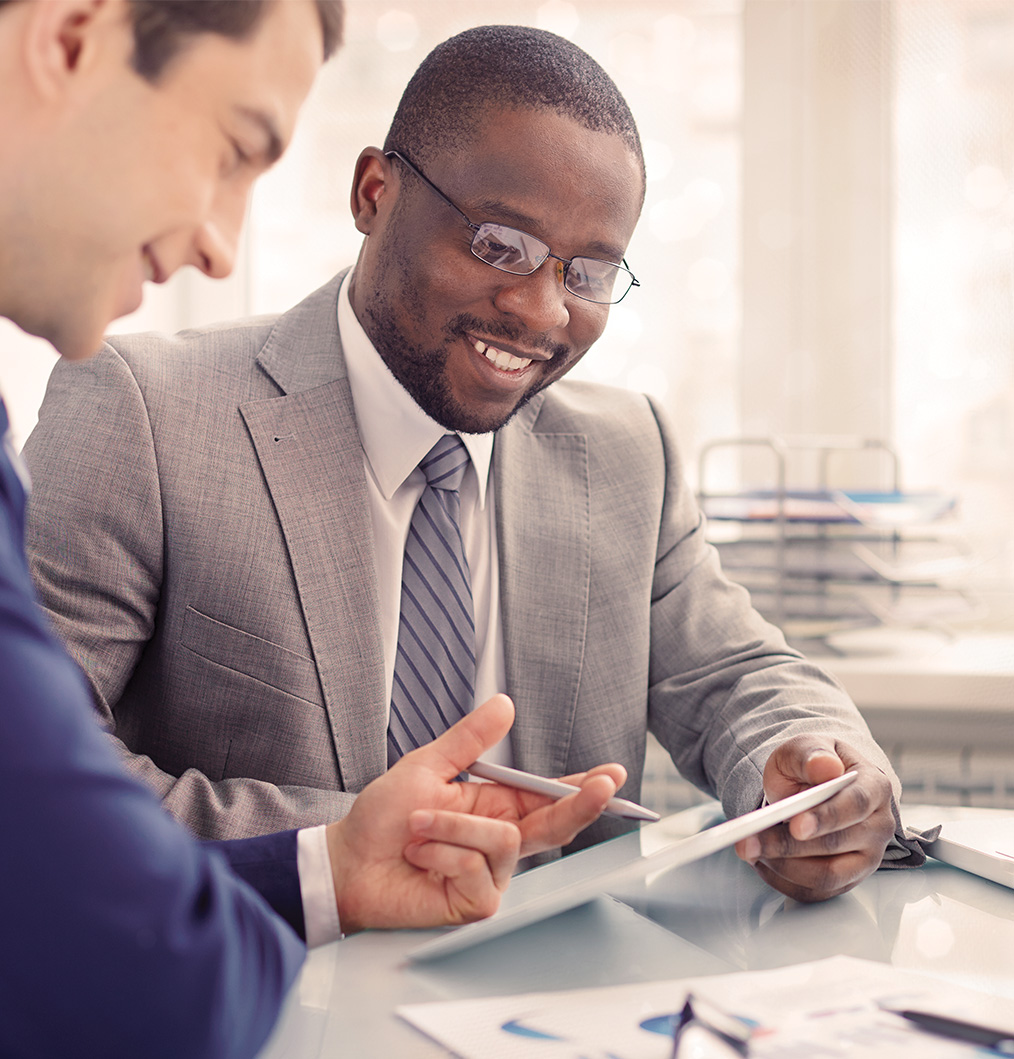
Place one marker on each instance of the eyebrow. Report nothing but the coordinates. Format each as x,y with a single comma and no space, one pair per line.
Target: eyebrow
512,217
275,145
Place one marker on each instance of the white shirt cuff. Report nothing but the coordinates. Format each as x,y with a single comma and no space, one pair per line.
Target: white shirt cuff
316,886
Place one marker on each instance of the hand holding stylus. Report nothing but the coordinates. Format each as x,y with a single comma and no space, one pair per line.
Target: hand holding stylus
526,781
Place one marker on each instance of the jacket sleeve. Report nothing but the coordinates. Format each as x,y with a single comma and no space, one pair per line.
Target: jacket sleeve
724,686
269,865
97,551
121,934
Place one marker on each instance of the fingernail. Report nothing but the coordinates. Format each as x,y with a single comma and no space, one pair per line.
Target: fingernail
421,820
752,850
807,826
822,751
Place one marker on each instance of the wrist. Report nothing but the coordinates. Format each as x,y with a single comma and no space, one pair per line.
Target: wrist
341,859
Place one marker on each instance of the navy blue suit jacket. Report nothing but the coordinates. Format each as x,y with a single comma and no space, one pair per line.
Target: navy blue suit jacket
119,933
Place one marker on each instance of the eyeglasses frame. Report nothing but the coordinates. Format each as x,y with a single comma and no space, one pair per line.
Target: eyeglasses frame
566,262
729,1029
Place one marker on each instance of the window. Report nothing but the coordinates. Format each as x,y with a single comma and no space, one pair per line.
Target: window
827,244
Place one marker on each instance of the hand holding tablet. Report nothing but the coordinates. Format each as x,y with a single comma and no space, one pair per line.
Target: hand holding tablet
530,899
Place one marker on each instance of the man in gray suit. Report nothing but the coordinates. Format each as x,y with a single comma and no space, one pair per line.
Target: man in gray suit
237,609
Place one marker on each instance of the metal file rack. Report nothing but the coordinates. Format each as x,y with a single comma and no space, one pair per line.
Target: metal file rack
821,559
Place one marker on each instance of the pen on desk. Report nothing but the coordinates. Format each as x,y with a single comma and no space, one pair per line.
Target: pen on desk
1001,1041
525,781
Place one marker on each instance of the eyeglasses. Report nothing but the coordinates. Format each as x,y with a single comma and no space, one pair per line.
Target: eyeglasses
727,1029
517,252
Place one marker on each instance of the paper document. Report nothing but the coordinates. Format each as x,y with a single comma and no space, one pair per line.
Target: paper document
823,1010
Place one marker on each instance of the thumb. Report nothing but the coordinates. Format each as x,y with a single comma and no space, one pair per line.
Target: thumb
801,762
464,743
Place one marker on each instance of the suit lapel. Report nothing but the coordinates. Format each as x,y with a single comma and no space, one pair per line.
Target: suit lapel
308,446
543,534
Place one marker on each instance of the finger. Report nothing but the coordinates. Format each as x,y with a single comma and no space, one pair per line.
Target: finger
558,823
497,841
866,801
778,843
463,743
613,769
801,762
812,879
824,866
461,879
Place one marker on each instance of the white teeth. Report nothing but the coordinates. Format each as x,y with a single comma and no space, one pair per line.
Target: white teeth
503,360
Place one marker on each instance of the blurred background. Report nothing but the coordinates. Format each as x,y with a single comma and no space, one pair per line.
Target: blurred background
827,265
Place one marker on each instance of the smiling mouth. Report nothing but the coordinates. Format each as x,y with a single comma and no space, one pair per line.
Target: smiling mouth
500,358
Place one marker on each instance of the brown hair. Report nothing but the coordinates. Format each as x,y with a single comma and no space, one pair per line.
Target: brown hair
162,28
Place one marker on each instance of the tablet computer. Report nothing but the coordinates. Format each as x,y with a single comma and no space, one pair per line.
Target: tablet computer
982,846
572,881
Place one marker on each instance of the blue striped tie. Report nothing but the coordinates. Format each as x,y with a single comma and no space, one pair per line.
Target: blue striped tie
434,670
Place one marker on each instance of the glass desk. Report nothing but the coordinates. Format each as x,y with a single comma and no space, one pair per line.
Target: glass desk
709,917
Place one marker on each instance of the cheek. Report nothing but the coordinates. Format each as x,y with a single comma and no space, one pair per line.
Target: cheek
587,322
445,274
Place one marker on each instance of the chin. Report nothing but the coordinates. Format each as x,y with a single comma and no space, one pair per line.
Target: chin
78,346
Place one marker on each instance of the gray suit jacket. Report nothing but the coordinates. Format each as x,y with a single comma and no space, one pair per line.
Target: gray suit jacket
200,534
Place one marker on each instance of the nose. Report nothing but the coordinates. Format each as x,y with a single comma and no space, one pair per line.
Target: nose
217,238
215,250
539,299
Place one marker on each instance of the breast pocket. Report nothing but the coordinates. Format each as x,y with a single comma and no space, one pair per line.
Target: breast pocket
252,656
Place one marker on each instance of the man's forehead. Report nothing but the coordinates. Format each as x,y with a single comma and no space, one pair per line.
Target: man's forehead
259,80
517,162
515,142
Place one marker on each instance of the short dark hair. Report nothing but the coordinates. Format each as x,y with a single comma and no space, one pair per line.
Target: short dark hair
162,28
507,67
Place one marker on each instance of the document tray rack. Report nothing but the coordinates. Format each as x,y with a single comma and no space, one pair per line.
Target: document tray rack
819,560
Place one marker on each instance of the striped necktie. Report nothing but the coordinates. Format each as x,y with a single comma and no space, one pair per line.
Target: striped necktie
434,670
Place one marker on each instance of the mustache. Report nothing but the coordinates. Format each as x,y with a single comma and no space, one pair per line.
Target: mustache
463,323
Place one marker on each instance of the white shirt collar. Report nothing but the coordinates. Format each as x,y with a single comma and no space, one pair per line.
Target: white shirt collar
396,433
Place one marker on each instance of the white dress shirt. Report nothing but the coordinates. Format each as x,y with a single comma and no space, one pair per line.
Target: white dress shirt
316,886
396,434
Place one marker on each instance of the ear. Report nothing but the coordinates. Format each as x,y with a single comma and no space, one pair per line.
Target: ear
64,38
374,179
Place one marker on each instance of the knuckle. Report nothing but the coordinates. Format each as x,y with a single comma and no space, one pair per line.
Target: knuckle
829,843
487,904
863,798
473,863
777,842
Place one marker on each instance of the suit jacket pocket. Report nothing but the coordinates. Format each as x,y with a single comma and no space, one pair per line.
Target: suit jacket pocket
260,659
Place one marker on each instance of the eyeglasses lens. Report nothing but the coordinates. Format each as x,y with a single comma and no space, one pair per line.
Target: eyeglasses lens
508,249
511,250
595,280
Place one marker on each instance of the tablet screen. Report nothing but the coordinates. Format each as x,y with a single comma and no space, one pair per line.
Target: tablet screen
572,881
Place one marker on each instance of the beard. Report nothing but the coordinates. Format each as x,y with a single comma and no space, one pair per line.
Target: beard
423,373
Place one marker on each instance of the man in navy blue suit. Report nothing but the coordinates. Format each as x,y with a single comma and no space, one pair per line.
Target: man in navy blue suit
132,131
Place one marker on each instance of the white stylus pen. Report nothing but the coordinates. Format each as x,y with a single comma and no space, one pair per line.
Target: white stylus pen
525,781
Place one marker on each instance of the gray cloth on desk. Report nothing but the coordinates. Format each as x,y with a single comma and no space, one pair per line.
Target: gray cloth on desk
908,848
